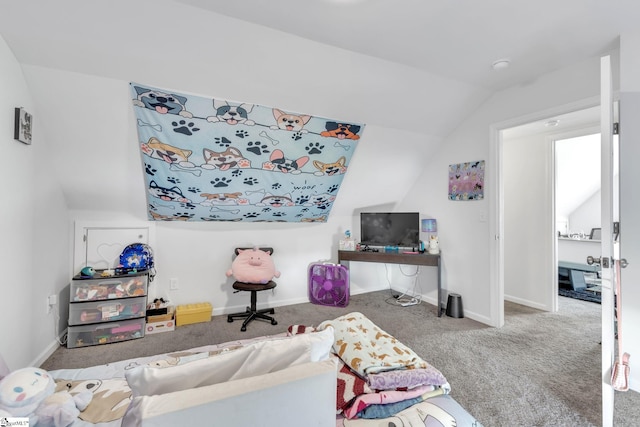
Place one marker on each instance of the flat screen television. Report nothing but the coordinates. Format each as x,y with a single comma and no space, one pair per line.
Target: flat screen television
390,229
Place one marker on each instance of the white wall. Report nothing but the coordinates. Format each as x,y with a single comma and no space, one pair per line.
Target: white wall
464,235
34,248
587,215
528,171
577,251
90,121
106,179
527,195
629,200
199,254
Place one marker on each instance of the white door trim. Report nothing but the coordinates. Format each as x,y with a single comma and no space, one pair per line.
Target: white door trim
496,198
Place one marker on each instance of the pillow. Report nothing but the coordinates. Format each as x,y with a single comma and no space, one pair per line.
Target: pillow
253,266
283,398
255,359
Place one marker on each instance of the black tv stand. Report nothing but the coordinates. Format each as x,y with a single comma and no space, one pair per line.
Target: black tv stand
432,260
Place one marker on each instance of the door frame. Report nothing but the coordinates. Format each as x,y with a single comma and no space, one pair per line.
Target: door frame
607,197
496,199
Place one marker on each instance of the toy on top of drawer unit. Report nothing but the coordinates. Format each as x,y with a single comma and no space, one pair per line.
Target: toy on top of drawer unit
88,271
138,257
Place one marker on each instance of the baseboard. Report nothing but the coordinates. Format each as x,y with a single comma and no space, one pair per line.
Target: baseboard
526,303
260,305
470,314
48,351
300,300
354,290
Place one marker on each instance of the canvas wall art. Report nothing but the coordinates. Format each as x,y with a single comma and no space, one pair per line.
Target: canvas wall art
23,124
466,181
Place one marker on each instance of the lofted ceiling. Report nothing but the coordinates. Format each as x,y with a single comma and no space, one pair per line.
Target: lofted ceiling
456,40
450,45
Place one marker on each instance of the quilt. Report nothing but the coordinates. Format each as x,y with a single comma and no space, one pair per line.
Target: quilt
210,159
367,349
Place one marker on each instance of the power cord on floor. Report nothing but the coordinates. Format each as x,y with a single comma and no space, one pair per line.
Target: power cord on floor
404,299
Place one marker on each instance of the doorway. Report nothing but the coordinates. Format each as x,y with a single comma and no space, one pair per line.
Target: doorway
578,213
530,249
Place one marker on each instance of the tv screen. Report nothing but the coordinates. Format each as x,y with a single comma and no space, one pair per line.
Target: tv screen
390,229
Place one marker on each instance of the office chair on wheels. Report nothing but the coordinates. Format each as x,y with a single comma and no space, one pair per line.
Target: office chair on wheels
251,313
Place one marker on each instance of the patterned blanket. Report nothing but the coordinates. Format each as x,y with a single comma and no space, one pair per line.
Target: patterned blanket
208,159
378,376
367,349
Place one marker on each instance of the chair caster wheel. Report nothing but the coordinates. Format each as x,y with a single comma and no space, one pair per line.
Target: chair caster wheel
229,319
272,311
273,322
243,329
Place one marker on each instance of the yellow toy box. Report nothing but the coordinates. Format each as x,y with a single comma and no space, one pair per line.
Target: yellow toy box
193,313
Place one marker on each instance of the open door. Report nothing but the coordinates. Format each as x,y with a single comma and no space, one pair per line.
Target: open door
607,256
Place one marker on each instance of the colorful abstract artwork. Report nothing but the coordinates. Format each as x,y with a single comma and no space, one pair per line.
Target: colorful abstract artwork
209,159
466,181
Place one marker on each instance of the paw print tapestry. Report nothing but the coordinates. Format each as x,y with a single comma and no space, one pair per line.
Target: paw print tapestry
209,159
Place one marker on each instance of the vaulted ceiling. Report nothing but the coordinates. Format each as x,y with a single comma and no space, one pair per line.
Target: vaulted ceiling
454,41
450,45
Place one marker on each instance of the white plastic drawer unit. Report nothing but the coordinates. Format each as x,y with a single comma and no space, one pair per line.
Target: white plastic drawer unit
104,288
106,311
104,333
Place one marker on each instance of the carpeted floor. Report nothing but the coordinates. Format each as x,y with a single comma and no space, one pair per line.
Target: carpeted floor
540,369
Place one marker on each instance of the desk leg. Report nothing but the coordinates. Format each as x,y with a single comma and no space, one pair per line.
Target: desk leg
439,289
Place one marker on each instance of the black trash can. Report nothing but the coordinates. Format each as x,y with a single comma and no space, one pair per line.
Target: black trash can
454,306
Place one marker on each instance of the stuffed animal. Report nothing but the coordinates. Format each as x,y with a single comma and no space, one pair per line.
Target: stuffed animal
253,266
30,392
433,245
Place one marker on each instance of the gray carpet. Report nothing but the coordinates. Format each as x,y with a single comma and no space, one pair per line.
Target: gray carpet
540,369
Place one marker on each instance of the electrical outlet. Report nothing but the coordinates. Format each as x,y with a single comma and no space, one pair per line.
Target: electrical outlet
173,284
51,301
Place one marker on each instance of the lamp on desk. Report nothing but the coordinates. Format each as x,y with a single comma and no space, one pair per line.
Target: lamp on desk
429,228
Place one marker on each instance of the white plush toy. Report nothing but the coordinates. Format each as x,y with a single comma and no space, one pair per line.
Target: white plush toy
433,245
30,392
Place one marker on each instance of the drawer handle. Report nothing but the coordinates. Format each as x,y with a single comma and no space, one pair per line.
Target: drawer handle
111,282
107,326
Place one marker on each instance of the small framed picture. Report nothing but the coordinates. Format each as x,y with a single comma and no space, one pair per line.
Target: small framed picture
23,126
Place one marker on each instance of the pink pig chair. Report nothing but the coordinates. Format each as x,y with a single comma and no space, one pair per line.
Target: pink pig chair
251,313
